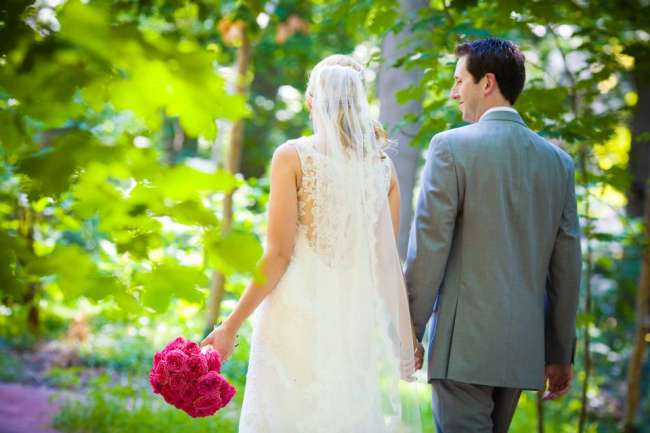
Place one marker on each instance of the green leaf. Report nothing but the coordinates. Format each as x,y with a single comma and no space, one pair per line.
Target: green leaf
157,298
236,252
150,75
50,168
191,213
127,302
77,274
11,283
101,286
184,182
171,279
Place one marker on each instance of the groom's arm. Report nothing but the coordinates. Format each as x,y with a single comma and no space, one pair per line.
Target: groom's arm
564,282
431,233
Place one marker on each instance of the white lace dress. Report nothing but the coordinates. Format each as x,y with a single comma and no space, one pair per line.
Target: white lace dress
321,359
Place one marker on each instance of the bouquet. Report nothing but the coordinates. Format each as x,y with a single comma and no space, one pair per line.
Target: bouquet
189,378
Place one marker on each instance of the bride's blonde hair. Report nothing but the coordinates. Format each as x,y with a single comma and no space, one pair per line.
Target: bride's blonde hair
341,123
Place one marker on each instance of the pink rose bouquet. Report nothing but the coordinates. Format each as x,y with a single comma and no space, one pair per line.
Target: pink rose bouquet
189,378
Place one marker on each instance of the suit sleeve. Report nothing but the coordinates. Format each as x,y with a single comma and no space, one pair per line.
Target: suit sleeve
431,233
564,283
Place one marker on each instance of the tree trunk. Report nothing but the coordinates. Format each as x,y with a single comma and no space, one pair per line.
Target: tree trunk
642,329
639,164
639,205
175,141
390,81
588,273
232,164
26,218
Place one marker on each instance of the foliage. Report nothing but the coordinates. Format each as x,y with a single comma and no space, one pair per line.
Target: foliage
111,187
64,377
11,367
125,408
89,206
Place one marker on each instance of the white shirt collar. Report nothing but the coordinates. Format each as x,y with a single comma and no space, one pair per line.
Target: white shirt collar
502,108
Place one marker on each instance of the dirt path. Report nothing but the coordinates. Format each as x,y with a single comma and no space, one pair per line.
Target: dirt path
25,409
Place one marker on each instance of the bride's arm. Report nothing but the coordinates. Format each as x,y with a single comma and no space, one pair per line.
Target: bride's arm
394,201
281,232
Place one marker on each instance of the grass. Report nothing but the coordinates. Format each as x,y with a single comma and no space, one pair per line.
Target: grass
129,409
11,367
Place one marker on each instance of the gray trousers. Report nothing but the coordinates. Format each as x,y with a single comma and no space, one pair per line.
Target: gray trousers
465,408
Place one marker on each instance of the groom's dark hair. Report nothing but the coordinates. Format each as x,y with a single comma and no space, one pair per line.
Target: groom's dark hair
500,57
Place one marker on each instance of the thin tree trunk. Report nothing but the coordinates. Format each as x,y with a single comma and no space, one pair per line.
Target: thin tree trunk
390,81
233,162
642,330
26,218
582,421
176,140
639,165
639,205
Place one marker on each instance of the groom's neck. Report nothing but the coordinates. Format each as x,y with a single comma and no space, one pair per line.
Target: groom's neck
492,103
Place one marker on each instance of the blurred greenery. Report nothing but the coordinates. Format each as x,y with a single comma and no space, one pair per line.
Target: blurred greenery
114,122
125,409
64,377
11,367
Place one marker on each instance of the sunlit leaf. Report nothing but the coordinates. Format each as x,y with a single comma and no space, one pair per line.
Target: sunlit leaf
236,252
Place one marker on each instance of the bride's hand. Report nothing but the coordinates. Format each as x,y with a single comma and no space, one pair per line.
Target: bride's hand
222,340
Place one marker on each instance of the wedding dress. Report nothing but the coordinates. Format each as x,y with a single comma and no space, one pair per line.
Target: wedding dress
332,348
330,343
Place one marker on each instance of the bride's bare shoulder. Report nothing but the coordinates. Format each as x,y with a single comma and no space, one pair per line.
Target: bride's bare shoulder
286,156
291,149
300,142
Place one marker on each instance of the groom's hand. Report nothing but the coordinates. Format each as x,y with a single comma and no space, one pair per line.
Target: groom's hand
558,378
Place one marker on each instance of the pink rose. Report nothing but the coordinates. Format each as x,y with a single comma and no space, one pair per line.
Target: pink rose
188,396
161,373
189,379
226,390
214,360
176,360
207,401
155,383
191,348
157,358
170,396
197,365
208,383
178,382
177,343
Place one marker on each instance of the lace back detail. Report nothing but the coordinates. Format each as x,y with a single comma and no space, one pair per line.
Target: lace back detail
323,207
307,206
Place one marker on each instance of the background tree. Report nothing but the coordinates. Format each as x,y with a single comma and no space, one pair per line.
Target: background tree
398,116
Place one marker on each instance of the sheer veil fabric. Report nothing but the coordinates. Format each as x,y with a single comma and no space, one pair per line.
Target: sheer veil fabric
332,346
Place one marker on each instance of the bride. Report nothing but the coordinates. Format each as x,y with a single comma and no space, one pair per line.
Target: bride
332,336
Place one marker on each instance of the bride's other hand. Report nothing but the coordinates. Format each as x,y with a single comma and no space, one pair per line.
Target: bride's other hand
222,340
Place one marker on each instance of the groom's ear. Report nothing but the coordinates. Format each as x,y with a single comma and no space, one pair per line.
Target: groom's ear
490,84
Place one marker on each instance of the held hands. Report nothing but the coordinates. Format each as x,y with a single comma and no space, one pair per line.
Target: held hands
419,356
558,380
222,339
418,350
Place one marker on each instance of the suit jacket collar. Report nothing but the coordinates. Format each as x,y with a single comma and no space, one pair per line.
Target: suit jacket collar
502,115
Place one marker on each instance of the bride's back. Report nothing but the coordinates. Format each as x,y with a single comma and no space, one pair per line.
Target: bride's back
338,198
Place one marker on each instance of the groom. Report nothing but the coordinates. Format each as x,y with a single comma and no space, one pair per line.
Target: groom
494,252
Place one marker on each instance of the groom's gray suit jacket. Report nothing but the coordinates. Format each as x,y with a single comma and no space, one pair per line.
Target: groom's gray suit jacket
496,217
